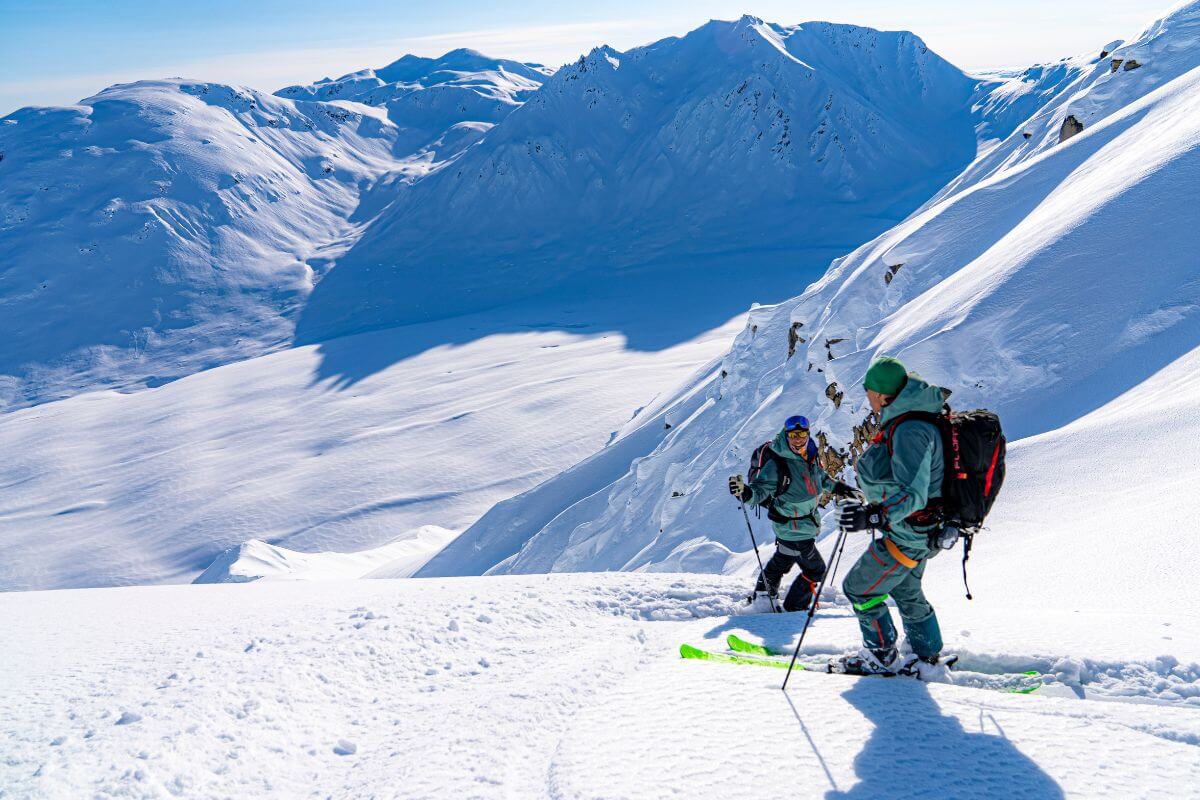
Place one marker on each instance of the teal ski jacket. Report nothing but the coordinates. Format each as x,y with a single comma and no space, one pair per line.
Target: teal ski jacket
799,501
906,479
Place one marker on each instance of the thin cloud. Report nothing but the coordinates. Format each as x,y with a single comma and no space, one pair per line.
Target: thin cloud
560,38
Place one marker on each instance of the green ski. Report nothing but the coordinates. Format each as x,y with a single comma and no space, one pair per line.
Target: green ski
687,651
1033,673
761,656
739,645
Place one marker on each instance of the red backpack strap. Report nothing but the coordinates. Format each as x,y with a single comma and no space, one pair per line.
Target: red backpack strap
937,420
890,434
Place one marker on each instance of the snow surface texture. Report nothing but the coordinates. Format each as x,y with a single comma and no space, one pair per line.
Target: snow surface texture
114,489
565,686
255,560
1045,287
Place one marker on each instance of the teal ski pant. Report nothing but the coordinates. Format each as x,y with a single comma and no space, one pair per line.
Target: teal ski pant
885,570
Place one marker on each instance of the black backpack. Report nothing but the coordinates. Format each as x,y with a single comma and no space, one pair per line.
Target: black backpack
973,446
762,454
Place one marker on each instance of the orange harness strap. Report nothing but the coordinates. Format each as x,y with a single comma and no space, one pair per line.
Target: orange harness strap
897,554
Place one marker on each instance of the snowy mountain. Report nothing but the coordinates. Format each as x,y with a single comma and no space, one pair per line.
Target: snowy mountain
697,159
560,352
1047,271
164,227
440,106
1041,284
465,75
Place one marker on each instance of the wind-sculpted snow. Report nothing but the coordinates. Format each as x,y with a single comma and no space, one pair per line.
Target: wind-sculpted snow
114,489
1046,289
704,158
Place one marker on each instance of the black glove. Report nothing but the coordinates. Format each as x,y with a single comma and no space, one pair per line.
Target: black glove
857,517
844,491
739,489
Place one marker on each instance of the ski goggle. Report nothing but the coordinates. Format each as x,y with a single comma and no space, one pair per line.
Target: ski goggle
794,424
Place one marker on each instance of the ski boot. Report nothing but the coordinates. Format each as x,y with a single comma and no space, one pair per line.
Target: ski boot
931,669
760,602
884,661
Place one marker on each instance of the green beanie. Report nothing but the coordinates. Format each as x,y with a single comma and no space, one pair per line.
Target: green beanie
886,376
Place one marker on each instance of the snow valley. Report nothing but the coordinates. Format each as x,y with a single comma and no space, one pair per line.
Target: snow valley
493,335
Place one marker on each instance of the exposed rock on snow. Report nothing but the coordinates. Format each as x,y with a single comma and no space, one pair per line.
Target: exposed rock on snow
1070,127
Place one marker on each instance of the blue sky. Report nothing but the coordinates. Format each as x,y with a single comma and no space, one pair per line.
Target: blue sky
59,52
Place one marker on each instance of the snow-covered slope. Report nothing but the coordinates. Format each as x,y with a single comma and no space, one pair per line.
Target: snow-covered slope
113,489
161,227
703,158
566,686
727,167
1046,287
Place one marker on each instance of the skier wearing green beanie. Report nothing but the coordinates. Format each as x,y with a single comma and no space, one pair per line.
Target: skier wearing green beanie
898,478
886,376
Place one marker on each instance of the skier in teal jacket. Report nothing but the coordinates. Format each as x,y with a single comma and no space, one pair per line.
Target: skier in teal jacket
793,512
899,479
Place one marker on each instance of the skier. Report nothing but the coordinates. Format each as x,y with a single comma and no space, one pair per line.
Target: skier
899,479
791,500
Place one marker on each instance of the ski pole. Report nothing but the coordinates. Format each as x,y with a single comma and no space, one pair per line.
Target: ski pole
839,544
837,560
762,573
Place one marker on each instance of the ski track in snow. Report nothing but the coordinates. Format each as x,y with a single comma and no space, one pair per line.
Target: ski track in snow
563,686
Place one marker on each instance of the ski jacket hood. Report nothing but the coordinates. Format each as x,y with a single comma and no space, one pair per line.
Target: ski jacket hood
917,395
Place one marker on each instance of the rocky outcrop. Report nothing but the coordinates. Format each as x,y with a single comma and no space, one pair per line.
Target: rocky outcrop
1132,63
1070,127
794,338
834,396
891,272
862,434
832,459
